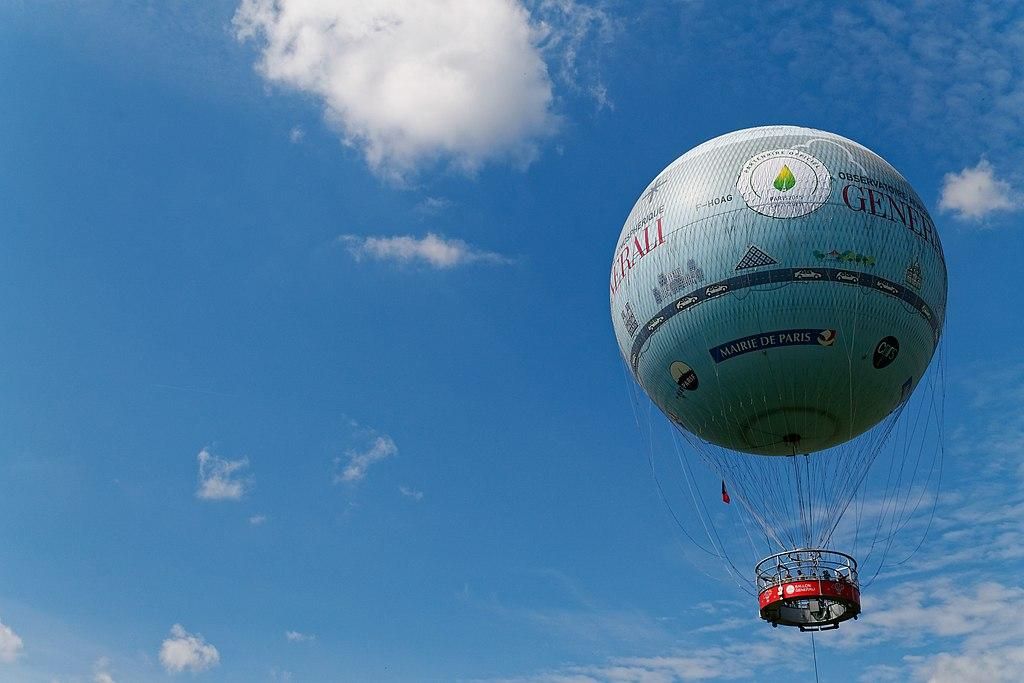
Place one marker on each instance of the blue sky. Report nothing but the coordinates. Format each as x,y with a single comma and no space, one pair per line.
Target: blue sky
309,373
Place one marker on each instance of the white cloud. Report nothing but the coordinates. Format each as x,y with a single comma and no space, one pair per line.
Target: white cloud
948,630
410,493
409,81
186,651
433,250
567,27
296,134
11,644
981,614
257,520
360,461
974,193
1001,665
101,671
971,631
219,478
297,637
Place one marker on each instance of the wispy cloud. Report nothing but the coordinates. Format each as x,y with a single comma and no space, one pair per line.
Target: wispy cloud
571,615
433,250
410,493
184,651
220,479
296,134
947,629
433,205
298,637
746,661
11,644
956,86
572,37
359,461
975,193
281,675
257,520
410,82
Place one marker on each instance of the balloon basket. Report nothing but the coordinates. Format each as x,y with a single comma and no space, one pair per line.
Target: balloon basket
810,588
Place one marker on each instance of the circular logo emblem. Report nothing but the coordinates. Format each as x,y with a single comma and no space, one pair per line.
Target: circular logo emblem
789,590
784,183
886,351
684,376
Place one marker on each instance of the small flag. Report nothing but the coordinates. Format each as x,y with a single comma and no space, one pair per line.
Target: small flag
725,494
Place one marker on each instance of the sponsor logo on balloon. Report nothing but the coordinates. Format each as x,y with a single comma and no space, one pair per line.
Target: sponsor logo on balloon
654,323
645,240
684,376
770,340
771,276
886,351
913,275
848,256
629,319
754,257
653,189
677,280
785,180
784,183
887,202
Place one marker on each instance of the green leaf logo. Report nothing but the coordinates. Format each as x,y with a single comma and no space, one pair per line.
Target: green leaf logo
785,180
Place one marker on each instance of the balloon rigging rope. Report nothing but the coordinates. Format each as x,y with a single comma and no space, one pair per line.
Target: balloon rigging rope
743,583
892,511
931,413
936,388
719,550
814,656
938,481
631,396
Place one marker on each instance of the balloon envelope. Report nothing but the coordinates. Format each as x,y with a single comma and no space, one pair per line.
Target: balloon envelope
778,290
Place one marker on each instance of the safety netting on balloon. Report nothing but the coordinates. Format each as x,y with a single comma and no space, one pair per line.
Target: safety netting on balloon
873,496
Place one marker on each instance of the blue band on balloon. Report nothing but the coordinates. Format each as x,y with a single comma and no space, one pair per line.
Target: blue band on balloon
782,275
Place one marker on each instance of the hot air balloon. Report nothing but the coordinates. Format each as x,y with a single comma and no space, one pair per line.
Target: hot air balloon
779,293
